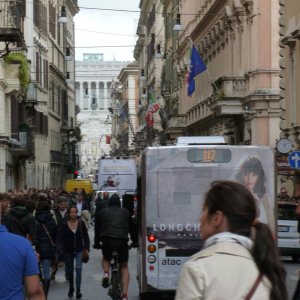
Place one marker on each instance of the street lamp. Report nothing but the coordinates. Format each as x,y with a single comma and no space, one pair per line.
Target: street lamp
178,26
142,77
144,93
63,16
158,52
68,56
68,78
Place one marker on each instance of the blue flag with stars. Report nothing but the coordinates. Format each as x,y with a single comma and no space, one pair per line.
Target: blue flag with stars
197,66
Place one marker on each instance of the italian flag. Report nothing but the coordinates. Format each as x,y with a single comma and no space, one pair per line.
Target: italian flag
153,107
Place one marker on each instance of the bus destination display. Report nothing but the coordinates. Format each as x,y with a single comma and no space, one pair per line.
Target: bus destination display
209,155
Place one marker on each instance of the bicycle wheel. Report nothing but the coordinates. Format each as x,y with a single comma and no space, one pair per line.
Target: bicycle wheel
114,290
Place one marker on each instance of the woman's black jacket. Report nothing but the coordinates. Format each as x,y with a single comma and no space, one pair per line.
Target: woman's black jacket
69,242
45,242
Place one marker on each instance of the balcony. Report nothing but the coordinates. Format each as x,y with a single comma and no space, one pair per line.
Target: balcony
166,88
173,125
59,157
31,97
21,144
178,121
66,124
12,21
227,96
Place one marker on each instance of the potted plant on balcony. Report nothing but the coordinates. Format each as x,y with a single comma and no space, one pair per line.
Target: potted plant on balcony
21,59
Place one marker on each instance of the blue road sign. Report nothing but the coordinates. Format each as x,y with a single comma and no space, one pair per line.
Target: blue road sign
294,159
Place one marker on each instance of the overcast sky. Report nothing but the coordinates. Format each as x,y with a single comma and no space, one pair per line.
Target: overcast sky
94,27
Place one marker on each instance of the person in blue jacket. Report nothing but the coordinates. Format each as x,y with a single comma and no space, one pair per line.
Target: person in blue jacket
18,268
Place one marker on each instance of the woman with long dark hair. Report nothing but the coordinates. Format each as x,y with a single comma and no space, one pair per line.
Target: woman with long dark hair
239,259
252,175
72,240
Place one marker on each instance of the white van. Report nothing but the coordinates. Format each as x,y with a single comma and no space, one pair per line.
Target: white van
288,237
118,174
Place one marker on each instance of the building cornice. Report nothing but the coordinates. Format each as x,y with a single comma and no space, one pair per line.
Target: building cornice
73,7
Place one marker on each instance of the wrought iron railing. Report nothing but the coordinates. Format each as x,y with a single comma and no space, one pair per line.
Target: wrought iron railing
22,143
11,20
31,96
59,157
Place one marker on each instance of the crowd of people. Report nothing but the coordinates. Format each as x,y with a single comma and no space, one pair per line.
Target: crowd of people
55,224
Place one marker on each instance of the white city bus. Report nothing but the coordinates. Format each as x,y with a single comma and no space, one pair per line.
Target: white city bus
117,174
172,185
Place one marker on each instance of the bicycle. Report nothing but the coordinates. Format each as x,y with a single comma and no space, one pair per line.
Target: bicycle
114,282
115,287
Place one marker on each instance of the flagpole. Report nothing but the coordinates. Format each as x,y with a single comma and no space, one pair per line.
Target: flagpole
190,41
213,82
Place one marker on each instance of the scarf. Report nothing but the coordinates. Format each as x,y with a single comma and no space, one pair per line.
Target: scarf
228,236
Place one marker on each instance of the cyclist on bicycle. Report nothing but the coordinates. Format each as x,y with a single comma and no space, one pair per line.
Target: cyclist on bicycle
112,226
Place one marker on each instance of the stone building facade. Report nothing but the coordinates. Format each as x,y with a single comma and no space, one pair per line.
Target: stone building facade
289,93
238,95
94,80
148,53
125,105
38,107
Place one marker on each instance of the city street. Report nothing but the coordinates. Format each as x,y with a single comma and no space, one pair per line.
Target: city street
158,102
91,281
91,278
92,275
292,270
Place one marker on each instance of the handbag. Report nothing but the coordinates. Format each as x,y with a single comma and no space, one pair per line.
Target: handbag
85,252
85,256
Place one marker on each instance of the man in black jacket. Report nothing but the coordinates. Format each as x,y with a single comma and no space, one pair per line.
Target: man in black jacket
112,226
102,203
18,220
60,210
60,215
